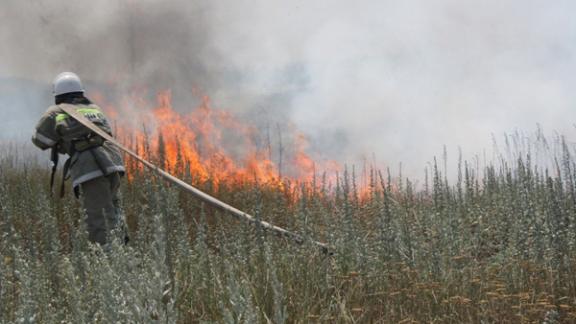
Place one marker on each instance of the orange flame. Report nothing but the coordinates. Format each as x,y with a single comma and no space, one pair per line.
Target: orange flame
211,145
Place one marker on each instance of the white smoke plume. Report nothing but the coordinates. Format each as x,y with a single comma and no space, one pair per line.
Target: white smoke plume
392,79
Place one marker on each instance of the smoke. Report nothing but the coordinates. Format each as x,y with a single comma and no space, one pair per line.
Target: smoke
394,80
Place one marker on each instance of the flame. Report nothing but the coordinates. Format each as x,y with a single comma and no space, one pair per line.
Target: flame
211,145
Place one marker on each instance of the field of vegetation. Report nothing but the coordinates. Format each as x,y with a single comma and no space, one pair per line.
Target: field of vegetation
495,245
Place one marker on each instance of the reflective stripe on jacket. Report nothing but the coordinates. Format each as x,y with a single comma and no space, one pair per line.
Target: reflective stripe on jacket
57,128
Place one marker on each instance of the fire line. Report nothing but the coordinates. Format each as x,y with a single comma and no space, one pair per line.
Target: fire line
71,110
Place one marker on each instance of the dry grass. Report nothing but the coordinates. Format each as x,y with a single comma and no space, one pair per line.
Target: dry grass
496,246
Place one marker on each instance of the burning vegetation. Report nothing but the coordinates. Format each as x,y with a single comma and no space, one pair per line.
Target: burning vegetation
212,145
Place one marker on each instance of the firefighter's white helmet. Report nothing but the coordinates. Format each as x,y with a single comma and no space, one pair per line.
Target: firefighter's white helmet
67,82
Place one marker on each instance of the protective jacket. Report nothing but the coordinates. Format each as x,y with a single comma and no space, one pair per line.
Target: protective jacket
90,155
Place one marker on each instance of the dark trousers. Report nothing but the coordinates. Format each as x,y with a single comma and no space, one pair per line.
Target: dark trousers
102,205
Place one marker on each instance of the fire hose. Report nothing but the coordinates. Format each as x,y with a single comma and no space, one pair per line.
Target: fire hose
71,110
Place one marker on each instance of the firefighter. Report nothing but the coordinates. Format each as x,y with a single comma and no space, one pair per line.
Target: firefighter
94,165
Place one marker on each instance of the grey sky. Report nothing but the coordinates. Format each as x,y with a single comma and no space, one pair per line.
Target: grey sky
397,79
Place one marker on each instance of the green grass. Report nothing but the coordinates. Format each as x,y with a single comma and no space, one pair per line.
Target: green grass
497,245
